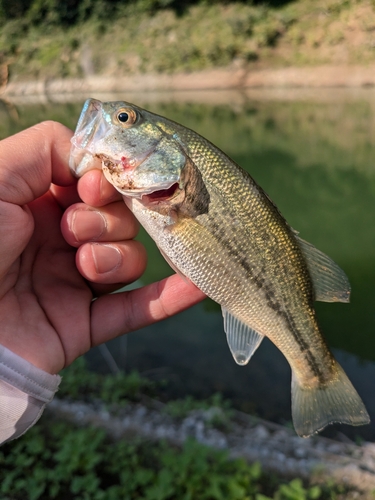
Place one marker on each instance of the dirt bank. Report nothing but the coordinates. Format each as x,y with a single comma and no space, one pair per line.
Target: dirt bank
218,79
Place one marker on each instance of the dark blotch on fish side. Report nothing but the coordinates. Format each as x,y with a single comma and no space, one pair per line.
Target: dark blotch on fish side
197,198
269,294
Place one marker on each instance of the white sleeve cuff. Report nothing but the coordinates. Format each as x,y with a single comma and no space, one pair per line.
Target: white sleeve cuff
24,392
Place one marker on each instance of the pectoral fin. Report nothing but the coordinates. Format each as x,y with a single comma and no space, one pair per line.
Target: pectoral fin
330,282
243,341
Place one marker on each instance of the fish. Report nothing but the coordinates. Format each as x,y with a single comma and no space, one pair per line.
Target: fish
218,228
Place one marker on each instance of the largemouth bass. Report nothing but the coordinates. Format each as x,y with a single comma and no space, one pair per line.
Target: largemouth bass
218,228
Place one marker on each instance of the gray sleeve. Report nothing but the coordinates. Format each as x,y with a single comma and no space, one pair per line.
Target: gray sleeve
24,392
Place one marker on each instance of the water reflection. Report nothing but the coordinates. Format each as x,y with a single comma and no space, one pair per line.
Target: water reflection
313,152
190,353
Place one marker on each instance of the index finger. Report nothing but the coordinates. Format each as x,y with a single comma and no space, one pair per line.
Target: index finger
116,314
32,159
95,190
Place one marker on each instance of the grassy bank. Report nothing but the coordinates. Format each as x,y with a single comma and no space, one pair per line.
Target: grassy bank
61,461
148,37
56,460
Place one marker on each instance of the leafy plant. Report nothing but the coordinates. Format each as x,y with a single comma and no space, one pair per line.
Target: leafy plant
58,460
216,410
80,383
296,491
181,407
55,460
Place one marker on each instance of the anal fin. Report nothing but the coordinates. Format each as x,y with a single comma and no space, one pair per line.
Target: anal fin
329,281
243,341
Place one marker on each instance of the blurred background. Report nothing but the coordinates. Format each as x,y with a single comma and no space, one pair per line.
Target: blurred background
48,38
312,149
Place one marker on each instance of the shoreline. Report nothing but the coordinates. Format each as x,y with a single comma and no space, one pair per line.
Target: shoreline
278,449
221,79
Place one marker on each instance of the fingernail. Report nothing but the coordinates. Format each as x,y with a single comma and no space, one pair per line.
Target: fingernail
87,225
106,258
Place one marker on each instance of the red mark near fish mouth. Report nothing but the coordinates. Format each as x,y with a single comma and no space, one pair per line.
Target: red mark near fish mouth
125,163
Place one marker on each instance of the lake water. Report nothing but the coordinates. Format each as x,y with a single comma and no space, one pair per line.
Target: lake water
313,151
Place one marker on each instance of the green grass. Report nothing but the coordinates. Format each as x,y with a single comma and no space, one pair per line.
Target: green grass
80,383
117,390
57,460
148,37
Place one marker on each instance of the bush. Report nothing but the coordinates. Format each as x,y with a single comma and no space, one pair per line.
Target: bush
57,461
61,461
80,383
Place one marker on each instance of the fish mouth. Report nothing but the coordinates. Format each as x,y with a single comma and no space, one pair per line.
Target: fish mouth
93,127
129,169
162,194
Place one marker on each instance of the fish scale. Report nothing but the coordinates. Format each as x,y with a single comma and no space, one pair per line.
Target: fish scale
244,298
218,228
251,251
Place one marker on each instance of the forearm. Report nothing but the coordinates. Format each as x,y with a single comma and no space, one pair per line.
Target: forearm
24,392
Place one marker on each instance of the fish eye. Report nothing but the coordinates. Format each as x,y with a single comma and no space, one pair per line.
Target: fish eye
126,117
123,117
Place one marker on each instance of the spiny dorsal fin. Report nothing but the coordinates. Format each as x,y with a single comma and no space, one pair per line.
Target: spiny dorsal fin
243,341
330,282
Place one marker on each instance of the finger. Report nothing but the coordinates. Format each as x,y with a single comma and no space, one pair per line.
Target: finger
32,159
112,263
99,289
114,315
16,227
113,222
95,190
65,196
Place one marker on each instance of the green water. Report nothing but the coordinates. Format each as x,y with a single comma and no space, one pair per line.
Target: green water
316,159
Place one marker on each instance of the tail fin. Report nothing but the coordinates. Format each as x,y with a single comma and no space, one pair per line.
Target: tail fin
337,401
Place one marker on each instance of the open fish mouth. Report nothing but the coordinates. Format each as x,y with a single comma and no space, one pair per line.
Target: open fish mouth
162,194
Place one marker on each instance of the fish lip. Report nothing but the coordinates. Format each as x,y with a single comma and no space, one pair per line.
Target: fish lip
92,125
88,124
85,122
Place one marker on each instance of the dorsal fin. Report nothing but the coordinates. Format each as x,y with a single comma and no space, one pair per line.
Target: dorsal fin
329,281
243,341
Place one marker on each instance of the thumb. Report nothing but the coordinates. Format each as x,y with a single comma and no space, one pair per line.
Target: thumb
32,159
29,162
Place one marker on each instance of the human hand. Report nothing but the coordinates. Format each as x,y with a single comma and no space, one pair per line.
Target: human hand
47,283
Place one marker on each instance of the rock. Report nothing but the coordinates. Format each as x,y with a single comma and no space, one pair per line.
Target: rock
278,449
